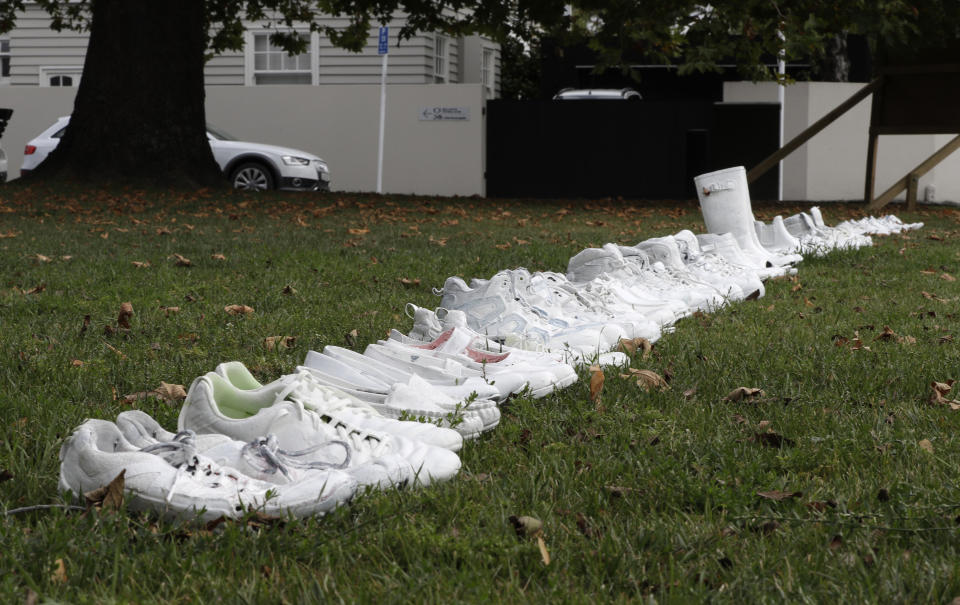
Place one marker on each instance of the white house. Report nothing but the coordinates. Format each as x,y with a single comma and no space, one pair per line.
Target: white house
325,100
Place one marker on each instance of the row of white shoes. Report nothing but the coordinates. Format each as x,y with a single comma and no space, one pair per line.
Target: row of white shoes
309,441
608,294
623,292
806,232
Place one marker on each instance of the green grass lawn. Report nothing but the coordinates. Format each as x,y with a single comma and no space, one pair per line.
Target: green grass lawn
643,495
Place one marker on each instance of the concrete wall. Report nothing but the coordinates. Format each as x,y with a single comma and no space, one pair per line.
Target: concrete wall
832,165
338,123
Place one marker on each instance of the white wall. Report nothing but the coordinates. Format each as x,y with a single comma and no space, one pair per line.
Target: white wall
338,123
832,165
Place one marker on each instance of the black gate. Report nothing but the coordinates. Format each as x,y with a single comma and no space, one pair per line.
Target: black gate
631,149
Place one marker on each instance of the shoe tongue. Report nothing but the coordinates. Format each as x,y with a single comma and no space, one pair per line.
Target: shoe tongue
458,340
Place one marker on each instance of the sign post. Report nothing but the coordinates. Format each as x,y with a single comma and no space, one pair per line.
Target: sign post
382,50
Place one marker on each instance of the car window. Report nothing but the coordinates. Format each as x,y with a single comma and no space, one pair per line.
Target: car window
59,134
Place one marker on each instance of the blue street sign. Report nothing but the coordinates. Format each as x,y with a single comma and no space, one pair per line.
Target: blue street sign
384,38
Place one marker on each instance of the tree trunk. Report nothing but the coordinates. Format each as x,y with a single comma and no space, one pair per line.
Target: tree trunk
139,111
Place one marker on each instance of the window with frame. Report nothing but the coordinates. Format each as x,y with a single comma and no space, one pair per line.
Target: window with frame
441,66
4,60
486,70
273,65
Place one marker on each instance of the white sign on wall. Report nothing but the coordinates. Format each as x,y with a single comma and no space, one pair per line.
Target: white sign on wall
431,114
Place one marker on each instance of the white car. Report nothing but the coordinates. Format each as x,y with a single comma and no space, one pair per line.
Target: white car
249,166
597,94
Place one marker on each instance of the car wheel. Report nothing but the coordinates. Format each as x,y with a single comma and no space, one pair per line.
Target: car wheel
252,176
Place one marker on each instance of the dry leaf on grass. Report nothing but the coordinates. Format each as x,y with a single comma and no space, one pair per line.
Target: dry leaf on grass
778,495
940,392
741,393
238,309
288,290
107,497
59,575
357,231
37,289
41,258
181,261
279,342
76,363
886,334
218,257
596,383
168,310
406,281
630,346
140,265
123,318
530,527
925,445
170,393
647,379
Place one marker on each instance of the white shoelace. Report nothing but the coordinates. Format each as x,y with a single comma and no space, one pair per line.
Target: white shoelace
358,439
265,455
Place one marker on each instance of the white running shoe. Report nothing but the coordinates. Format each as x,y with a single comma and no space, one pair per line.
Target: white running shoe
377,393
335,403
176,481
261,459
482,395
462,342
374,459
512,377
705,264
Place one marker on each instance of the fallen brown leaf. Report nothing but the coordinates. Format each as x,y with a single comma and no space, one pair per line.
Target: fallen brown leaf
409,282
647,379
107,497
170,393
778,495
140,265
630,346
886,334
126,312
279,342
59,575
218,257
41,258
168,310
181,261
288,290
940,392
925,445
596,383
358,231
37,289
238,309
741,393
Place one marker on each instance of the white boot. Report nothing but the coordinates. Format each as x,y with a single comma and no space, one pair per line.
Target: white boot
725,203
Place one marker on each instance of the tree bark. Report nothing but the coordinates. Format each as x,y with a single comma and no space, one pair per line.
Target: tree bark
139,111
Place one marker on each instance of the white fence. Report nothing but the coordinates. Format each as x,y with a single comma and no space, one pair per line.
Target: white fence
422,155
832,165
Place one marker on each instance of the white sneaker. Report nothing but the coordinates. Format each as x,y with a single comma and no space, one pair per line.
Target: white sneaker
374,459
260,459
481,395
725,245
334,402
174,480
460,342
705,264
377,393
511,377
496,311
666,250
